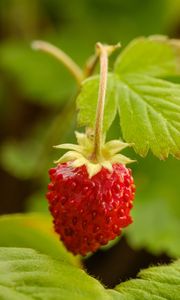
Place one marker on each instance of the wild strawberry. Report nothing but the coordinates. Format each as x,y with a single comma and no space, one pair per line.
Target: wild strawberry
90,201
91,191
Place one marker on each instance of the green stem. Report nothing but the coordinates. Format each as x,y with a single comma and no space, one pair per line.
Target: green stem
74,69
104,51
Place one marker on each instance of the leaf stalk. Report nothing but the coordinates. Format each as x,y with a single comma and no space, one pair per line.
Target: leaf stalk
60,55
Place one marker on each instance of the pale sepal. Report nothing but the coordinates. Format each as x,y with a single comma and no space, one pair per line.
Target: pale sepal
79,162
122,159
69,147
93,169
69,156
107,164
115,146
81,154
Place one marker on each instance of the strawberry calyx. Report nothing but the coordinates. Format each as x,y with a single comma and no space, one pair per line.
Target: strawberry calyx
82,154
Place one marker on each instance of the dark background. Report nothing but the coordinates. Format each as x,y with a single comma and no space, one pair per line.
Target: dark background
37,111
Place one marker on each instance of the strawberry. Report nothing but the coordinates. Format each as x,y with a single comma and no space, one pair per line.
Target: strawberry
91,191
90,201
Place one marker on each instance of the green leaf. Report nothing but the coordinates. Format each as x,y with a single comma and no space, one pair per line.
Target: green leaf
156,227
156,211
155,56
149,112
155,283
87,102
21,158
33,231
148,105
27,275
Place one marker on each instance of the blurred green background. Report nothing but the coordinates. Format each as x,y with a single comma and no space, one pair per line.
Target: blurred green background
37,111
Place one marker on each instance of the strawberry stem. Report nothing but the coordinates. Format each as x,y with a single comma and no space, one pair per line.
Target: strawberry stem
104,51
73,68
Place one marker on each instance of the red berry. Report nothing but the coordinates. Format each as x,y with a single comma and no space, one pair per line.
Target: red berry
89,212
